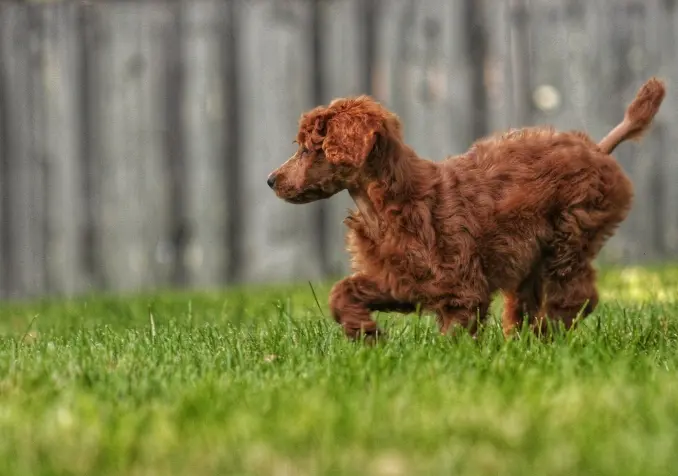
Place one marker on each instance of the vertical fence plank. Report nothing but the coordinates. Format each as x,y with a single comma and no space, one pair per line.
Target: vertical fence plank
25,173
656,51
205,129
557,78
344,45
507,64
156,186
90,40
131,174
280,240
3,193
665,16
497,84
3,174
657,55
476,43
423,73
174,245
628,49
59,145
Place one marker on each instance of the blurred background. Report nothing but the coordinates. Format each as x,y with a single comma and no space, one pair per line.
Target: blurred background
136,136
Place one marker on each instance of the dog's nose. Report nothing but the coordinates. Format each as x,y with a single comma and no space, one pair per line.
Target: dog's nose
271,180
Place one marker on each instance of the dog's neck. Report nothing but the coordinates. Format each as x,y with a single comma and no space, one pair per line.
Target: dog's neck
390,187
366,208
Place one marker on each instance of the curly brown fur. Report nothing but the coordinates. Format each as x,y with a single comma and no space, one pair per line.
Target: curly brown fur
523,213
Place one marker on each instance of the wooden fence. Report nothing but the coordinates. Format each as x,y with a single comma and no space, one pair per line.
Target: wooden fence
136,136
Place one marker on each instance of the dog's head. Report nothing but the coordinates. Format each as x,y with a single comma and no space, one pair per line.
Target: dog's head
336,144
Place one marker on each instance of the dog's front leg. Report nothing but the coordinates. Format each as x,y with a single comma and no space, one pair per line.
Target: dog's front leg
353,299
455,315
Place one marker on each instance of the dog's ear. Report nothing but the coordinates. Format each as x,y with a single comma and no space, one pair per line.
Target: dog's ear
350,138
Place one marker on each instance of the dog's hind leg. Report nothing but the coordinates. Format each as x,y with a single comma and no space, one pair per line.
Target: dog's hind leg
523,302
569,296
353,299
568,275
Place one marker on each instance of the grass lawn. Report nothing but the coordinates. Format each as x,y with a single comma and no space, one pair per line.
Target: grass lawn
257,382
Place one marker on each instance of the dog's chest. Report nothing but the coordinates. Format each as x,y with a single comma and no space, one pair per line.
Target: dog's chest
396,257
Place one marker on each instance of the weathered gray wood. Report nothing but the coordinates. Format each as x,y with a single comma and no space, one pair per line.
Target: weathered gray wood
499,81
131,173
3,188
3,228
593,55
557,77
663,51
59,144
19,48
205,129
653,154
519,71
629,50
423,73
3,180
279,239
343,63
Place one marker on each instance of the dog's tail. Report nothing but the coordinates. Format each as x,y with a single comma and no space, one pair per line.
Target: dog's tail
638,116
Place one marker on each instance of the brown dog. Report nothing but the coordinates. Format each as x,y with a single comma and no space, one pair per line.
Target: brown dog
524,213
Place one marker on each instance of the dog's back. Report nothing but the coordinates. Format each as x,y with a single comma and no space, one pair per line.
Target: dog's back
537,169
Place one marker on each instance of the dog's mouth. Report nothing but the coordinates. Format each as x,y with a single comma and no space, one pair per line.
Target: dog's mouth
307,195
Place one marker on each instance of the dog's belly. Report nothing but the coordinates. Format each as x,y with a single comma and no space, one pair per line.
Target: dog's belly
510,253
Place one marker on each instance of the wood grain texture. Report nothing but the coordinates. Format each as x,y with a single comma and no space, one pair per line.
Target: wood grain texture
423,73
206,138
58,74
136,137
25,163
131,177
280,239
